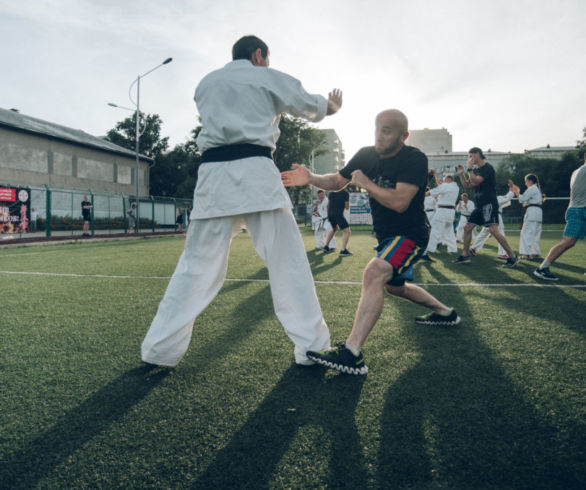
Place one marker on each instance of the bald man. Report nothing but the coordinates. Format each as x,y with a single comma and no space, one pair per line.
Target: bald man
395,177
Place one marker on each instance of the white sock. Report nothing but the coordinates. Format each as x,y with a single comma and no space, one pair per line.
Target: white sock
544,264
354,351
448,312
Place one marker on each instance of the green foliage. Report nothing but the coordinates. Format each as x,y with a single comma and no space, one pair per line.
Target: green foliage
175,172
150,144
295,145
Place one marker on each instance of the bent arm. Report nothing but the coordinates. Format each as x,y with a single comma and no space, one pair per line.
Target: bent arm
397,199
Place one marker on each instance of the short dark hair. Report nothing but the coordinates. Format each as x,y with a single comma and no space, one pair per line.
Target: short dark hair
246,46
475,149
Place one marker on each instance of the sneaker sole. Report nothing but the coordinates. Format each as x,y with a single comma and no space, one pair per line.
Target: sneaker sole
536,274
339,367
451,323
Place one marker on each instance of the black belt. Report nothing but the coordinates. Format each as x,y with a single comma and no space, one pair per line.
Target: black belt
235,152
429,210
534,205
446,207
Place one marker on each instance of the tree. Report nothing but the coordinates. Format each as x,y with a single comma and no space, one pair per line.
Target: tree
150,143
295,145
175,172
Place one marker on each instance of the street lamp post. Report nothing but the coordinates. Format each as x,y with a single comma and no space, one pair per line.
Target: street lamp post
137,139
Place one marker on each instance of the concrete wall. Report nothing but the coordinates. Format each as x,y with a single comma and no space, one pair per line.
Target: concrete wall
35,160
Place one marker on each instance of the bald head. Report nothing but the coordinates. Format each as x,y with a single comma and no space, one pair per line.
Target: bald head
392,129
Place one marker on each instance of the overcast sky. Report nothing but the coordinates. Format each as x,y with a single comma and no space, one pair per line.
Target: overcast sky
502,74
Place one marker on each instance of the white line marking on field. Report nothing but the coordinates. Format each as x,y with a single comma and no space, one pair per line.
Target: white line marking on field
344,283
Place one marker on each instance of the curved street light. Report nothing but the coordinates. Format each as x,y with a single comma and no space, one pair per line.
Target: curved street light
138,134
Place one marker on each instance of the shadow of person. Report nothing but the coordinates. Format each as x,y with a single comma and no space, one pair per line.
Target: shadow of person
28,465
456,420
303,397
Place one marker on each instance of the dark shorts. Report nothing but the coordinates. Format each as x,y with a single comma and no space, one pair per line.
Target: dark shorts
485,215
86,217
338,221
402,254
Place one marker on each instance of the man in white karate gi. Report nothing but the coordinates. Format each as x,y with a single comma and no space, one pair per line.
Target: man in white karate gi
442,224
320,222
239,186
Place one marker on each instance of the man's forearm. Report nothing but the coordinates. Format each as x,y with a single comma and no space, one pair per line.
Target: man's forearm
328,182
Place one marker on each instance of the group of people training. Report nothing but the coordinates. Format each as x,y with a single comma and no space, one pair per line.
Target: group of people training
441,208
239,186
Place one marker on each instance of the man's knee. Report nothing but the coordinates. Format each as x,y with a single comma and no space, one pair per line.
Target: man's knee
398,291
569,241
377,271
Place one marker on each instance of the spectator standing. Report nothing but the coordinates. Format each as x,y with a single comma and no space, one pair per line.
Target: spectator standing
86,212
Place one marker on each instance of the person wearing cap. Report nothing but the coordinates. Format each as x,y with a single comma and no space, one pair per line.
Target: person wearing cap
239,186
480,176
442,229
503,201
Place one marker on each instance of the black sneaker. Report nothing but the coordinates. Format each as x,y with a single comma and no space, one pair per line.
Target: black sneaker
435,320
545,274
462,259
427,258
346,253
327,249
340,358
511,262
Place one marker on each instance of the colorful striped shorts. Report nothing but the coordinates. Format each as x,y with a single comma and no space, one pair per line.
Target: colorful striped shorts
402,254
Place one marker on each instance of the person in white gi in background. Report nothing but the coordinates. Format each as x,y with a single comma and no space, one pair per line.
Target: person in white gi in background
503,201
429,204
465,208
532,199
442,224
240,186
319,220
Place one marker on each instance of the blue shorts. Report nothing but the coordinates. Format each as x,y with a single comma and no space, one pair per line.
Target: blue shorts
402,254
575,223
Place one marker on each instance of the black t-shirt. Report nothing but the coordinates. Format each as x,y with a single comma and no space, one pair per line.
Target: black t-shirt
408,166
85,212
485,193
337,202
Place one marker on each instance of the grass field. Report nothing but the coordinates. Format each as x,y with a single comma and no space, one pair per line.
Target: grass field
498,402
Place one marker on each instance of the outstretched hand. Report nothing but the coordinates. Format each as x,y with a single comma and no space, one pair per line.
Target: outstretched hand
299,176
334,101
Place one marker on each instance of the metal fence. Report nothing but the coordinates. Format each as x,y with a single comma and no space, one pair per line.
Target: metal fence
59,211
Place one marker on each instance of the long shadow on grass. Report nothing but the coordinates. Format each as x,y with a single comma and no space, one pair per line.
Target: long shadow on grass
39,457
317,264
303,397
455,420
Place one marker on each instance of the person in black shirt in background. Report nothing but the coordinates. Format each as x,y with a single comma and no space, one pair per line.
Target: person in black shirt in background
480,176
395,177
86,212
337,203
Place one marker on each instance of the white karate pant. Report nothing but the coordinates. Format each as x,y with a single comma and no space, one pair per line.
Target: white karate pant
530,236
481,238
322,227
201,271
460,229
442,230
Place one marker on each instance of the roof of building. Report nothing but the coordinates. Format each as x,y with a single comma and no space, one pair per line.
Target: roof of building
28,124
553,148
